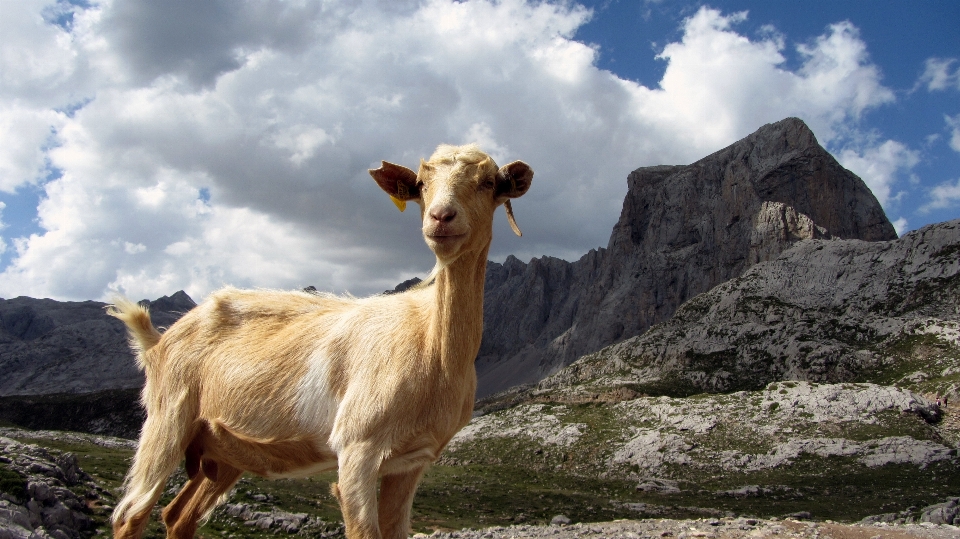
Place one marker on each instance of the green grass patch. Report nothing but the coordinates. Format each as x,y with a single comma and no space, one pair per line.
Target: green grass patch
836,488
12,483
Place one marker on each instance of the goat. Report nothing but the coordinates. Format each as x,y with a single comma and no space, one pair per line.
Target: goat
288,384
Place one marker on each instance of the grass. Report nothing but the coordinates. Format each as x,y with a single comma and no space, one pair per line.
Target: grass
11,483
834,488
926,354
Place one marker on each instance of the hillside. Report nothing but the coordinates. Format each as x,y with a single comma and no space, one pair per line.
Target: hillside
67,365
824,310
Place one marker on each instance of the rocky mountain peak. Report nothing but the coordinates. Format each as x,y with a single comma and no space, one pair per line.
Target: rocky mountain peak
178,301
682,231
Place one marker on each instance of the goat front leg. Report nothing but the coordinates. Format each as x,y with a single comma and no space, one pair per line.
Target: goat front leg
356,490
396,499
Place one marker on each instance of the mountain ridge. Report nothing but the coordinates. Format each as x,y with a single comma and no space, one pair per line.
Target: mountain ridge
56,347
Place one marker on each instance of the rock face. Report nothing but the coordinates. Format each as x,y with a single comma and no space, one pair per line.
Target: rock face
40,501
824,310
682,231
49,347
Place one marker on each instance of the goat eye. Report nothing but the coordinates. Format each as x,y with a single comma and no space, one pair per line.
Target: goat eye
487,185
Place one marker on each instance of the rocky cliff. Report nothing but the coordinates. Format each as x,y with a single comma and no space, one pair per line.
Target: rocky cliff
49,346
682,231
823,310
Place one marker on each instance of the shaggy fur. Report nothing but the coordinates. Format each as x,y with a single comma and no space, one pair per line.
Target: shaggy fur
286,384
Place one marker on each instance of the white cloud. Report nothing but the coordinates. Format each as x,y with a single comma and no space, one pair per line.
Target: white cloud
241,157
37,58
944,195
937,74
25,137
3,243
133,248
900,225
880,166
302,142
954,124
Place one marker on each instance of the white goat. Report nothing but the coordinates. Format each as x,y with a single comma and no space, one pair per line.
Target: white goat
288,384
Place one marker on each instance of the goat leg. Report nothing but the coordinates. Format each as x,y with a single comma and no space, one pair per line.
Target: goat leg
359,466
396,499
197,498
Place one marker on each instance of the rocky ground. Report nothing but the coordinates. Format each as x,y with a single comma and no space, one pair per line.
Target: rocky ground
44,494
744,431
724,528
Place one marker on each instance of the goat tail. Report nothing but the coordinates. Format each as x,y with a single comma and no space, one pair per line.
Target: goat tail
143,336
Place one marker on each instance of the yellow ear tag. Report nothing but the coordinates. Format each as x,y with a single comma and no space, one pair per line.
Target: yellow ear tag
403,192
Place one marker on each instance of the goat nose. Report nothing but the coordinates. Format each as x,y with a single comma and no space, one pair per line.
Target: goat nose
443,214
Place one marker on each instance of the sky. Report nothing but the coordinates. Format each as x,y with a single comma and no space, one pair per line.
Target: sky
148,147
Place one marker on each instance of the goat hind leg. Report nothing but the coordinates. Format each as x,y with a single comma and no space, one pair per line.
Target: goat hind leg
155,460
172,512
132,527
195,501
396,499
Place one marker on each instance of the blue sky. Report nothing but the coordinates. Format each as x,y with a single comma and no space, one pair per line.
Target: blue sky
149,147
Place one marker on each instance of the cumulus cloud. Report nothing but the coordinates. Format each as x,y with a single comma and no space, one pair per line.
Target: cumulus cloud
953,123
944,195
240,156
900,225
881,166
721,85
940,74
25,137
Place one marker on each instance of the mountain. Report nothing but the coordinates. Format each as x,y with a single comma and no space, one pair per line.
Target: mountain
682,231
52,347
823,311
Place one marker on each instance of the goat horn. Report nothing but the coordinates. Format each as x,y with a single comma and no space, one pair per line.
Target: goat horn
513,222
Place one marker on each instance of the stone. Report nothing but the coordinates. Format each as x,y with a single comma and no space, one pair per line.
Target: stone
941,513
659,486
50,510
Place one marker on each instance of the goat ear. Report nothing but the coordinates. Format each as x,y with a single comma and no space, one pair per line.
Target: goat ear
398,181
513,180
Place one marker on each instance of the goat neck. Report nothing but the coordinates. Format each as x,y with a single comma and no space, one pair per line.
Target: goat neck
457,322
